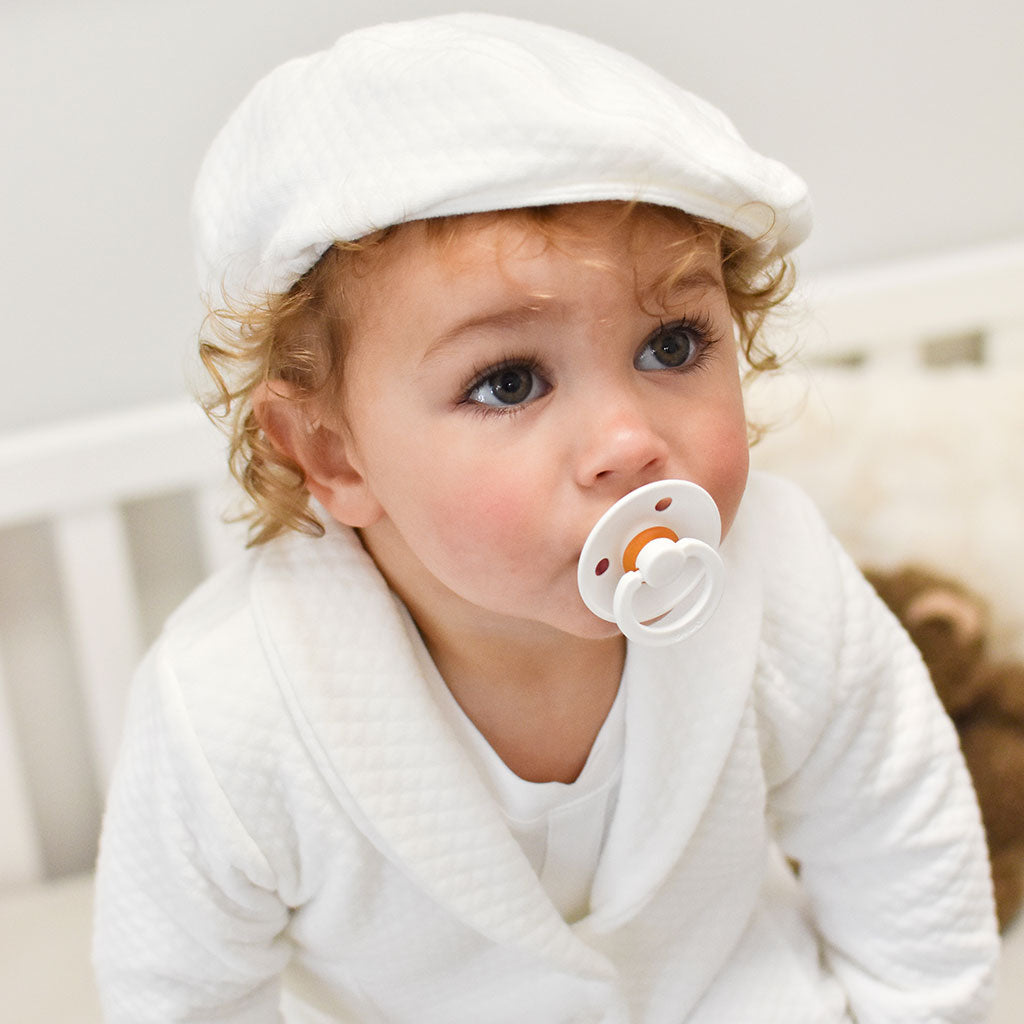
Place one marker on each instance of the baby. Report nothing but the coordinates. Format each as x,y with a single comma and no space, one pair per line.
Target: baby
473,282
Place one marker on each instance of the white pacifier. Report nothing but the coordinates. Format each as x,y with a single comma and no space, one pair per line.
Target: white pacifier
651,564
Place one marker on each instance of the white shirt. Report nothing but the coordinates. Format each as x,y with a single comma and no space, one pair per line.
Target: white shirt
561,827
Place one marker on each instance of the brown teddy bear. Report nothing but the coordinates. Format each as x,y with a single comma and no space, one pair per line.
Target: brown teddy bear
986,702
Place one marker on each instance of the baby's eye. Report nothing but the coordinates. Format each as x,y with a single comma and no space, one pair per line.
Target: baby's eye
507,386
671,347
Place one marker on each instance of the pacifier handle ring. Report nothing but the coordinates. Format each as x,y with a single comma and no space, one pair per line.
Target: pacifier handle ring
679,622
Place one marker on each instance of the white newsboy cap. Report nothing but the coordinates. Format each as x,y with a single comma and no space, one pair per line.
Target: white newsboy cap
460,114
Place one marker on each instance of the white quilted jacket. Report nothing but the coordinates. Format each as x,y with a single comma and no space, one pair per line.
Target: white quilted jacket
290,804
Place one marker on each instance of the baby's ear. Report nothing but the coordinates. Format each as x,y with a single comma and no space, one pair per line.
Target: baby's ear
325,452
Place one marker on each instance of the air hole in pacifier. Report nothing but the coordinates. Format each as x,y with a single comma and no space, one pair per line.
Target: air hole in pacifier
602,567
662,505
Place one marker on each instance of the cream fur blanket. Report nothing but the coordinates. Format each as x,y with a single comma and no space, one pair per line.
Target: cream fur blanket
912,465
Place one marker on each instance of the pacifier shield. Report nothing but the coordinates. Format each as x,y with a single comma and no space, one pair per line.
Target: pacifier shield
681,521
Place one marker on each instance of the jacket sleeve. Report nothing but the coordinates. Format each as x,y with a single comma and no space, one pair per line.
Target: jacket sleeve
868,792
188,926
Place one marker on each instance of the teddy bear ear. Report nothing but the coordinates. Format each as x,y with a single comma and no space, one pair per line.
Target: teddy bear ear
942,606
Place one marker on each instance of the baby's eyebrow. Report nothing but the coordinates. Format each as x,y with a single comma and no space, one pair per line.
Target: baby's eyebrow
518,314
698,278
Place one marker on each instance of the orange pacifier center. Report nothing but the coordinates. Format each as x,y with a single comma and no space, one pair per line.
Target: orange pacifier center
640,541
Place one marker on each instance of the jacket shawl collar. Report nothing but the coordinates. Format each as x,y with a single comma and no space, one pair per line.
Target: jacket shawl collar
337,642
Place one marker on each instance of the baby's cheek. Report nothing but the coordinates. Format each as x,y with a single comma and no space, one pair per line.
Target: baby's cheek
499,492
731,470
483,521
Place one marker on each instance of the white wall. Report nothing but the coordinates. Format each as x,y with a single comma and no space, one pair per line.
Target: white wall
904,115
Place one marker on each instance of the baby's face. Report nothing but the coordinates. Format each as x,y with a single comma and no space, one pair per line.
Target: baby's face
502,392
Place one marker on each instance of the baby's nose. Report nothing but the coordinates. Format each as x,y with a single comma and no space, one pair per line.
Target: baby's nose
620,444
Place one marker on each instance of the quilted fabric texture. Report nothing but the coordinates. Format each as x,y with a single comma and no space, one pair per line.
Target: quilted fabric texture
460,114
291,805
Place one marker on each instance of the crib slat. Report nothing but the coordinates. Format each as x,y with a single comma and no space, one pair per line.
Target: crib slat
20,856
99,593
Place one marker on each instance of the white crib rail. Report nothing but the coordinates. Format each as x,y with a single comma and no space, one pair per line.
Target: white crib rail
78,478
963,305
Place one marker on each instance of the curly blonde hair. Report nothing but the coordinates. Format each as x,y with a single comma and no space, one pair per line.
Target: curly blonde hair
300,338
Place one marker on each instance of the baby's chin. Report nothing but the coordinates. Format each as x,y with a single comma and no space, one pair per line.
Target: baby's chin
577,623
590,627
